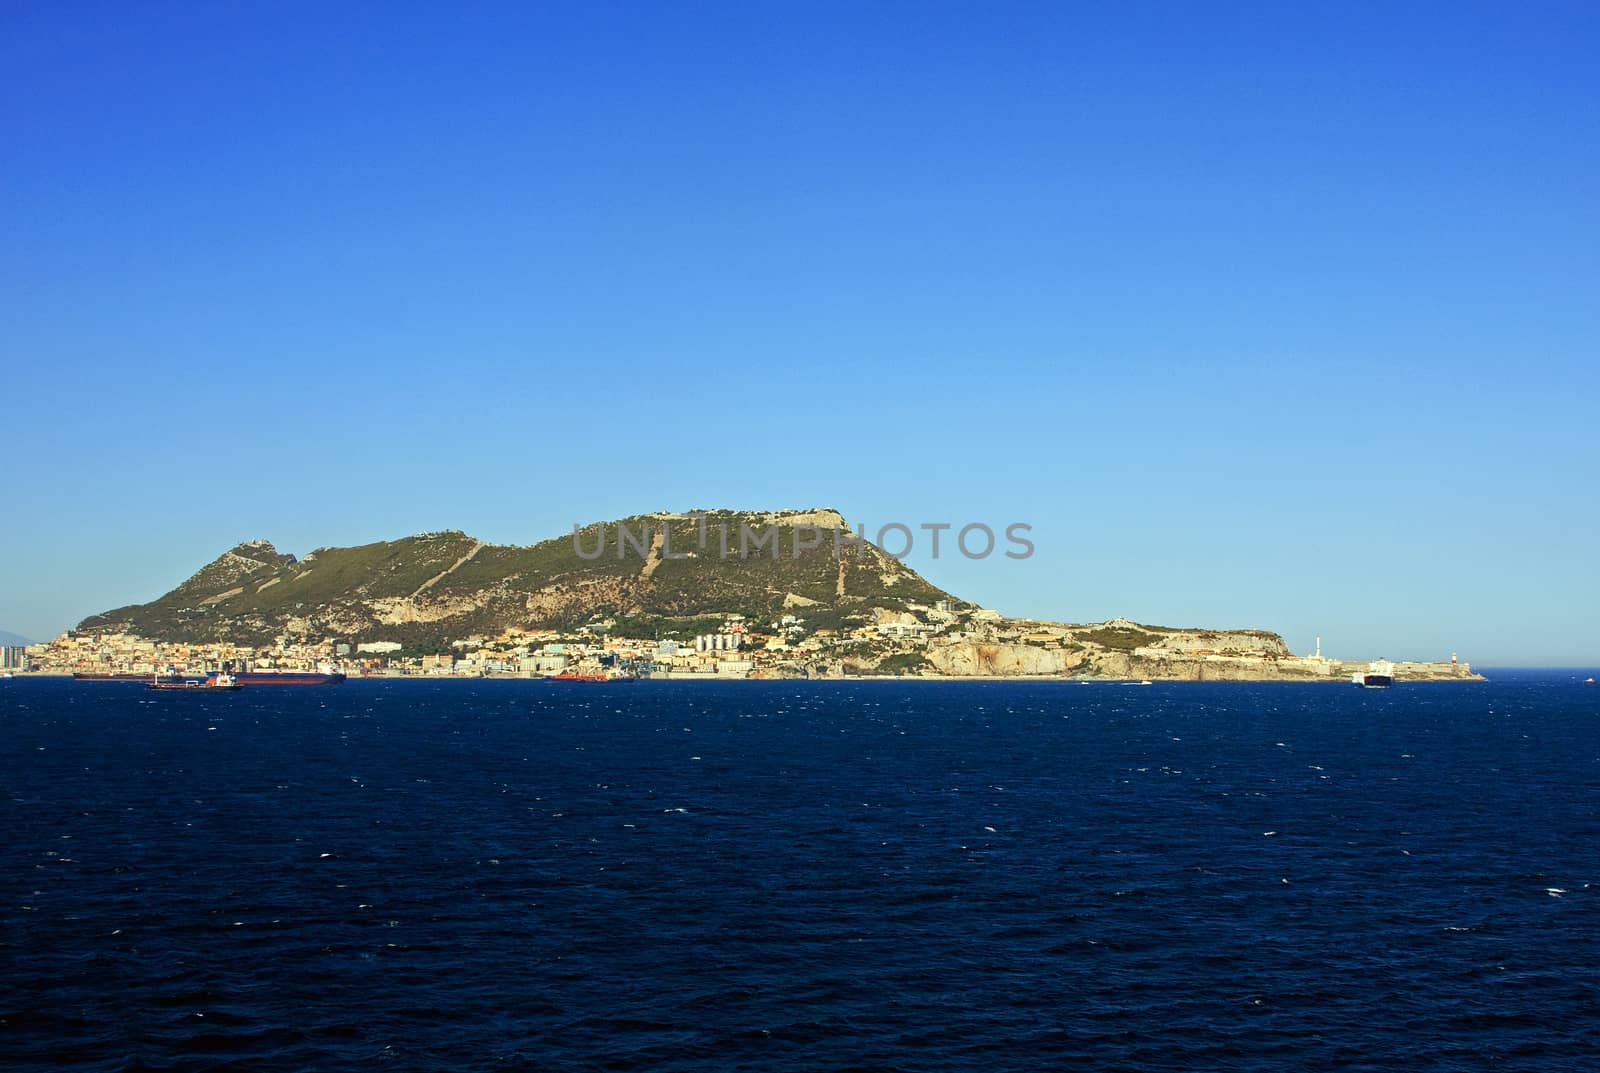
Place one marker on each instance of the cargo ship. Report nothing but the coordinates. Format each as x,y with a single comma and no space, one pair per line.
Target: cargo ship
110,676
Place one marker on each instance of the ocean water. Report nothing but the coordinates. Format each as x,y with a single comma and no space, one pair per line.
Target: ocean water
822,876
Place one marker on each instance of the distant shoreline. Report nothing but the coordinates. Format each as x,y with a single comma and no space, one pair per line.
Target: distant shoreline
1063,679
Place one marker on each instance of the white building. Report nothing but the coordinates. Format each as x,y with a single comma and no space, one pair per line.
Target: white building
718,642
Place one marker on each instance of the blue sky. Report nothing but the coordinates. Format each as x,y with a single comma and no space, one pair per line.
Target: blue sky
1275,315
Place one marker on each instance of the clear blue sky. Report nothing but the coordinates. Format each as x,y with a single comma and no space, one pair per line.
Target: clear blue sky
1262,315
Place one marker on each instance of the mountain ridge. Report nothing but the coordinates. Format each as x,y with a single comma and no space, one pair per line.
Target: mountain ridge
812,605
429,589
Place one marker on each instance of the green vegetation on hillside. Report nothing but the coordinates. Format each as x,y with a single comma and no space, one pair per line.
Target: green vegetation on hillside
424,591
1119,638
904,663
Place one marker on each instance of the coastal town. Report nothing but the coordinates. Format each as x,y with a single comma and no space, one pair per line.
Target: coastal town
447,605
939,640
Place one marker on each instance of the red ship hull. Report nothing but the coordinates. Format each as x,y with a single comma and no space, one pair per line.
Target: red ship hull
287,678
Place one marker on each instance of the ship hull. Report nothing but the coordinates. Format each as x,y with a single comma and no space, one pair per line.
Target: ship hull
1375,681
193,687
287,678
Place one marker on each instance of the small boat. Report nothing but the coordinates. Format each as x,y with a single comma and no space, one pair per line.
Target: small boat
8,674
217,681
1586,681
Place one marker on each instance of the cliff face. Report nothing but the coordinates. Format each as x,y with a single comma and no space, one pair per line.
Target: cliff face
998,658
1115,649
1127,650
429,589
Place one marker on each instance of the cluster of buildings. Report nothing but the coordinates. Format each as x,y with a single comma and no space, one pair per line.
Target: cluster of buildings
937,639
595,650
126,653
736,649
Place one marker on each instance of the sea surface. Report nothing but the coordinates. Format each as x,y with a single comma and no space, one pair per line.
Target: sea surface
959,876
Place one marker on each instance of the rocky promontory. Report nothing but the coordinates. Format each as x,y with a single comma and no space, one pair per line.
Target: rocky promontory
728,593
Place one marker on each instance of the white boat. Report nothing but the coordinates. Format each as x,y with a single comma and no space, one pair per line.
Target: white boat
1378,675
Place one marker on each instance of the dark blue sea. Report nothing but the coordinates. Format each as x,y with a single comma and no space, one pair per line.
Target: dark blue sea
808,876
